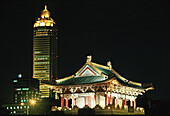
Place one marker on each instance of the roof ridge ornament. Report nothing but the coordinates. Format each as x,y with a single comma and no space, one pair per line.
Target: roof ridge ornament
89,58
109,65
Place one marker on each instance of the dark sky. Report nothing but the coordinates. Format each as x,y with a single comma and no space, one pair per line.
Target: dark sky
133,35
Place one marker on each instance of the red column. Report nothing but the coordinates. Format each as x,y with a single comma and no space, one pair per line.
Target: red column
62,102
75,101
89,103
95,99
85,100
105,100
110,98
124,101
67,102
117,101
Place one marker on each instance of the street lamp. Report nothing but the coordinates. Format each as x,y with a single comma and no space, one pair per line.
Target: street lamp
33,102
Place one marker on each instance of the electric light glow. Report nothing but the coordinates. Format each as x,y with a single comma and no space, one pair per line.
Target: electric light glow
19,75
15,81
45,19
33,102
22,103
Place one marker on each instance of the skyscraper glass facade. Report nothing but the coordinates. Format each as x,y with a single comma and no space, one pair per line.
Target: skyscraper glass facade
45,51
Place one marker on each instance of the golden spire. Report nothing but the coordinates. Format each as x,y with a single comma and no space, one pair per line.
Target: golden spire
45,13
45,8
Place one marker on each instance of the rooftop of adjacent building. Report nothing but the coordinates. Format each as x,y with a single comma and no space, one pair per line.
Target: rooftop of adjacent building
25,82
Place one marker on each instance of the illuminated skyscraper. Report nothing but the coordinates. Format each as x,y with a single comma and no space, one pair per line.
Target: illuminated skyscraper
45,50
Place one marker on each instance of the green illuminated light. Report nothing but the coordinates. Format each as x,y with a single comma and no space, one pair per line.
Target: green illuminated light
15,81
18,89
25,88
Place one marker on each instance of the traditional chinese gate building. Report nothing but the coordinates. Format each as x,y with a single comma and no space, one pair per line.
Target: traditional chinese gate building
97,84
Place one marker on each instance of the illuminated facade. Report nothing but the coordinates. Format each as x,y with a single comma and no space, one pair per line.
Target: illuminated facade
45,51
24,90
98,85
17,109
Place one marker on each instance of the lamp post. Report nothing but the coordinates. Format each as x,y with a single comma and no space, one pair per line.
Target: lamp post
33,102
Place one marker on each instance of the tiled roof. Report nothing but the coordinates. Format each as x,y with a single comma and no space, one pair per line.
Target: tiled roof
81,80
99,69
105,71
109,73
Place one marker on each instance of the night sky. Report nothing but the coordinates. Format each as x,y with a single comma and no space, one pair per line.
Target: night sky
133,35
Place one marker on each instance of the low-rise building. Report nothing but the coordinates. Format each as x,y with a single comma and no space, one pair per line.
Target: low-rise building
25,89
25,94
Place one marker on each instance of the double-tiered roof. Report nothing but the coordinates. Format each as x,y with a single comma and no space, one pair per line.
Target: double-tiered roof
92,74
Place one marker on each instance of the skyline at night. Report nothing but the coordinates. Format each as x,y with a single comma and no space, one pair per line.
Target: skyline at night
134,36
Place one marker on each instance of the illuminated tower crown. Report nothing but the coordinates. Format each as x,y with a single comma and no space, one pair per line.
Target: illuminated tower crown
45,19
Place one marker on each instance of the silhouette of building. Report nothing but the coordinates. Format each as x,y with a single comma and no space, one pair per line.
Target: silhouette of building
45,51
